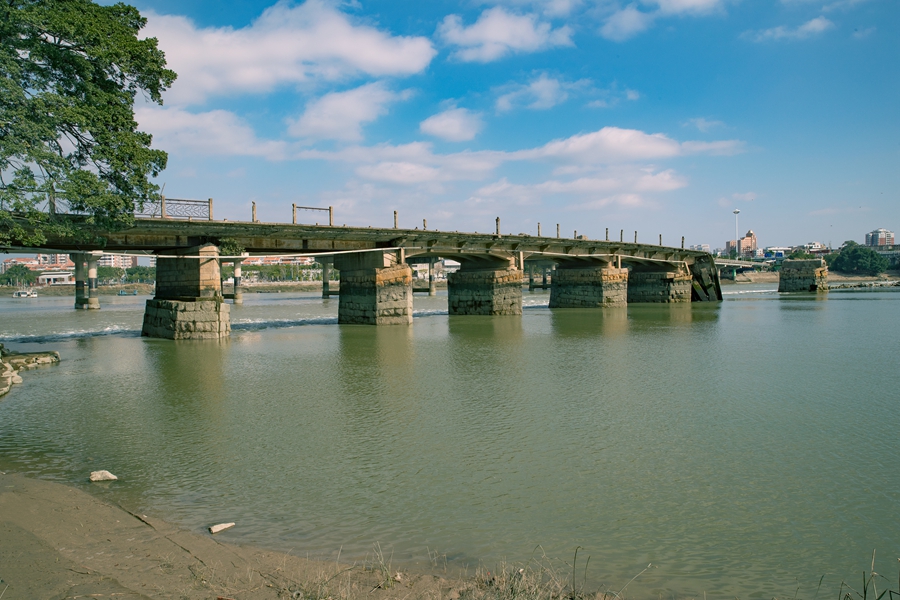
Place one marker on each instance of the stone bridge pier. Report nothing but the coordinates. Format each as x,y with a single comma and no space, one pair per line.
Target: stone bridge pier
485,285
188,304
376,289
809,275
666,283
588,283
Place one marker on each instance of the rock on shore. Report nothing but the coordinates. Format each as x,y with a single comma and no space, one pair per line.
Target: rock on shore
13,362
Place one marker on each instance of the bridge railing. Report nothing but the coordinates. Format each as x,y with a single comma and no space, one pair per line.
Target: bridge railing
176,208
165,208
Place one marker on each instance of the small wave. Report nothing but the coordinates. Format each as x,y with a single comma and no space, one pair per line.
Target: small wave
530,306
69,335
430,313
765,291
257,324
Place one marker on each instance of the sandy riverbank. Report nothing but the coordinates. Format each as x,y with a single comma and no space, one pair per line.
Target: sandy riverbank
59,542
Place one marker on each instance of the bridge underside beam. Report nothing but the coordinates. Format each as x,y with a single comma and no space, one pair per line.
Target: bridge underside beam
375,289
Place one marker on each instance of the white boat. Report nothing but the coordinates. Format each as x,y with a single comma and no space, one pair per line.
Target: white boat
25,294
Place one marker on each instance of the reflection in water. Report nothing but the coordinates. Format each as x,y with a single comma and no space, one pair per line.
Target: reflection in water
705,439
591,322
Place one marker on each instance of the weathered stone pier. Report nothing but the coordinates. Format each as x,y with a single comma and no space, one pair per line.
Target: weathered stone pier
188,304
805,275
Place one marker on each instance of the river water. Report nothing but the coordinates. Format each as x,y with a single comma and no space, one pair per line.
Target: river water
744,449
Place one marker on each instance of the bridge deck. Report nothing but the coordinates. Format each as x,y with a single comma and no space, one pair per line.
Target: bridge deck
161,235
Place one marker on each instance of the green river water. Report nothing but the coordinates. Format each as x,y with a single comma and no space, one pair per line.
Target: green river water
744,449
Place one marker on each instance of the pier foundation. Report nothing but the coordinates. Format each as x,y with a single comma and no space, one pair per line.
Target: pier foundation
485,291
376,289
588,286
809,275
188,304
659,286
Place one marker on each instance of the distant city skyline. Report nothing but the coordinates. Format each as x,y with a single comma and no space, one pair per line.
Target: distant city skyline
660,116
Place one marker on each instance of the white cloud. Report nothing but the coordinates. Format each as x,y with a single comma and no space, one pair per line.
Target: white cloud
412,163
703,124
541,93
399,172
862,34
212,133
610,148
612,96
497,33
810,28
551,8
287,44
340,115
608,145
719,148
623,186
626,23
455,125
674,7
612,145
842,5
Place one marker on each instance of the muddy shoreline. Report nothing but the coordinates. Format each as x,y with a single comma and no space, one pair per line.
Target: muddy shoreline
61,542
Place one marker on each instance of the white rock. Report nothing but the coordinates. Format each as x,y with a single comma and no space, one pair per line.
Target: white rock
16,379
103,476
220,527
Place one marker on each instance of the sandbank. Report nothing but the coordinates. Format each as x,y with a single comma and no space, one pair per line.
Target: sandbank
57,541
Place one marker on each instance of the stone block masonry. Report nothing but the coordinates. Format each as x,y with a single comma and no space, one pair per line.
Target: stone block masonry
178,320
588,287
189,277
376,296
668,286
809,275
485,292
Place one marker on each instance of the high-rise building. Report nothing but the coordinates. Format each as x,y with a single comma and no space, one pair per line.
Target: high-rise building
746,246
117,261
880,237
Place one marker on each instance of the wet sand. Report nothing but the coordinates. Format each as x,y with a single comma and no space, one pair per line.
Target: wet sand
57,541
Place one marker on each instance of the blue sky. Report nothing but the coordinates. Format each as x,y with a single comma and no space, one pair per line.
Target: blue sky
660,116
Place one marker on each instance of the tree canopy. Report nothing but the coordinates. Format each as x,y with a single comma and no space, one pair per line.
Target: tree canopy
859,260
140,274
18,274
70,71
110,274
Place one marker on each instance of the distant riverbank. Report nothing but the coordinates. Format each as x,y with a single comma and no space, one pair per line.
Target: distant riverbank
270,287
69,290
833,277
